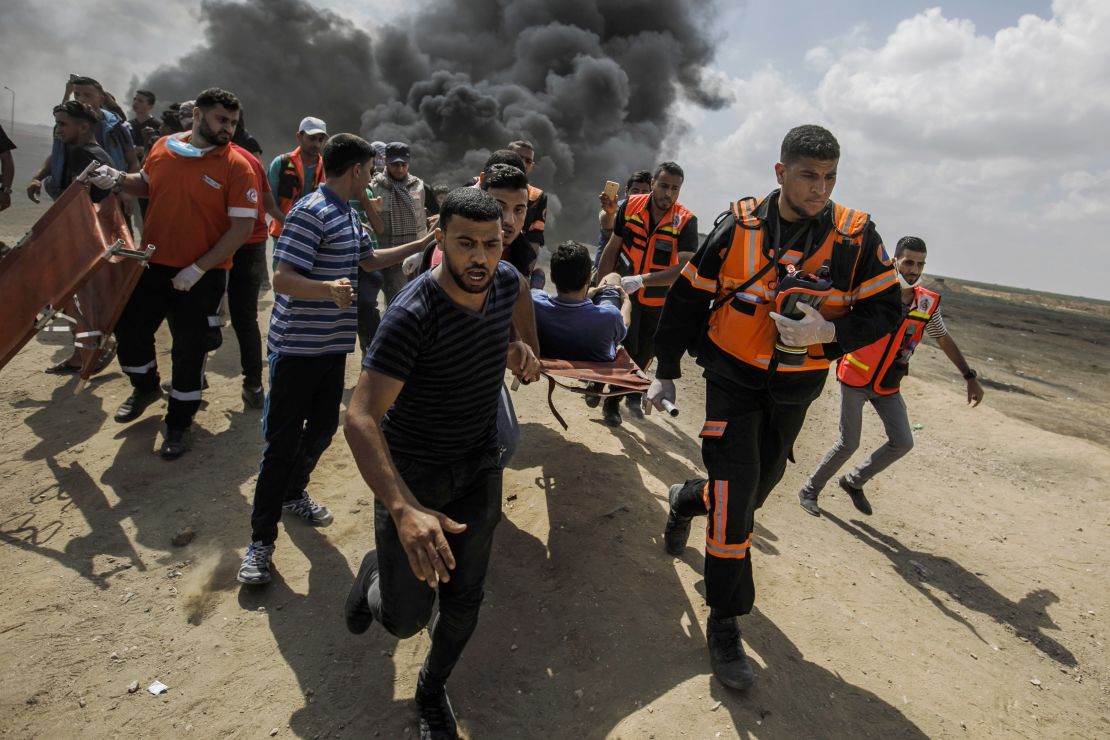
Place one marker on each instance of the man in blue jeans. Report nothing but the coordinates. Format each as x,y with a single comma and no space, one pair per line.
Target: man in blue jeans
323,245
422,428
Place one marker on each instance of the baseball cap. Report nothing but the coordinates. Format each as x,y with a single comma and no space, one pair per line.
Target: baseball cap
312,125
396,151
378,147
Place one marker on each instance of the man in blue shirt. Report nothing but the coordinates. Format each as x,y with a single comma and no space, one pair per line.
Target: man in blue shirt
312,330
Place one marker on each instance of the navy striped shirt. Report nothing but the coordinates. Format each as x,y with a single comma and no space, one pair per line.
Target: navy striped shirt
323,239
452,361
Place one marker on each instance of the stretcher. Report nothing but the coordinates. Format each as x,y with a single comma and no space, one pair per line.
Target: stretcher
78,256
618,378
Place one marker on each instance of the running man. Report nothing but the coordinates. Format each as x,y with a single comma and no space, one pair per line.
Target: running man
422,428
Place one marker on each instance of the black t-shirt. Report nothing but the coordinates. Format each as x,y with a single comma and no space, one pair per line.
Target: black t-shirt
6,144
452,361
144,133
77,159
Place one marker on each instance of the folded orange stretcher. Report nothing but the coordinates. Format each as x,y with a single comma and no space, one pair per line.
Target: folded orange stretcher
77,259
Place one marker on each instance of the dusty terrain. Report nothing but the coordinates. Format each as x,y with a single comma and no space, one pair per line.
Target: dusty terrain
972,604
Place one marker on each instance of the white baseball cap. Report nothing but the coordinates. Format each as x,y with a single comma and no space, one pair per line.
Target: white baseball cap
312,125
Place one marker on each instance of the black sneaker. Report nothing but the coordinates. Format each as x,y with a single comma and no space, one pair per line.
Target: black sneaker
254,398
594,401
611,411
726,654
860,501
437,719
677,532
136,404
808,501
634,403
175,444
357,609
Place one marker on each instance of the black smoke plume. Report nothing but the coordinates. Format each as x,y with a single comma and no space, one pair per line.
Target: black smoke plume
593,83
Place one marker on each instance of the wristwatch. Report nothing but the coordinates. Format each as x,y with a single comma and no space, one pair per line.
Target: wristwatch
970,374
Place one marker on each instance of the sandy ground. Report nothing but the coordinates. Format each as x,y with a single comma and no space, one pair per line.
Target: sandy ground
972,604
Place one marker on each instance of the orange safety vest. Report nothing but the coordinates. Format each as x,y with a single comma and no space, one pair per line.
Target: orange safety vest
743,327
652,252
291,184
871,366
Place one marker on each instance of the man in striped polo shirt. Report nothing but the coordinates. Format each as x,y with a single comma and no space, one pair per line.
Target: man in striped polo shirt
312,330
422,427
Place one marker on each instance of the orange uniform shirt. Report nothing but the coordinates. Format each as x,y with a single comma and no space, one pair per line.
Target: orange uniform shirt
193,199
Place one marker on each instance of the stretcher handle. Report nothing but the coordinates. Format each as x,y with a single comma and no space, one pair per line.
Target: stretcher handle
669,407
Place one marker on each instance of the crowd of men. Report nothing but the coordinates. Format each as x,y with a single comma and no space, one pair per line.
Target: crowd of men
784,285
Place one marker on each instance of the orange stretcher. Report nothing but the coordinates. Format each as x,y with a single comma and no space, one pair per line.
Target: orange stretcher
78,256
622,373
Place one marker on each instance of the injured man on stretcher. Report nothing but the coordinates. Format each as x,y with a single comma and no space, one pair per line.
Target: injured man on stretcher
580,322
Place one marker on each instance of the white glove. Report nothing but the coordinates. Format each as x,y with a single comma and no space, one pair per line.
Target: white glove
659,395
187,277
411,263
813,328
105,177
632,283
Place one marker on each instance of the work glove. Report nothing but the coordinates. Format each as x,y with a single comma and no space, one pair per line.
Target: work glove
632,283
813,328
105,177
187,277
411,263
661,395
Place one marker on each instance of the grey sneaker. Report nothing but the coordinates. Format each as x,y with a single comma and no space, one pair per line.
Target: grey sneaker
808,501
309,510
860,501
255,569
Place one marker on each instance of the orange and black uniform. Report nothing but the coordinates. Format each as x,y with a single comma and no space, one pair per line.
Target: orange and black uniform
535,220
192,202
649,246
754,406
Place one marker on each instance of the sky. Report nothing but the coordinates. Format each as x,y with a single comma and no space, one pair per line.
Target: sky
979,126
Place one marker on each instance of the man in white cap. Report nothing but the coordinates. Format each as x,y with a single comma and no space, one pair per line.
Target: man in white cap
299,172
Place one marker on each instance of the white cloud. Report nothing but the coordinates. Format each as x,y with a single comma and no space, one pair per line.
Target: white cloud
991,147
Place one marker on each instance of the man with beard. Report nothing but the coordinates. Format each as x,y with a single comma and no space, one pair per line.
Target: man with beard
653,237
405,207
299,172
763,369
536,219
873,374
203,201
422,428
312,330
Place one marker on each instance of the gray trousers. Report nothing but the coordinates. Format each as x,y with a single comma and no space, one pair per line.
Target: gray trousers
892,411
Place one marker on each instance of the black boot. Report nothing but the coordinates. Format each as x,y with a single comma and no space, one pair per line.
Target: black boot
611,411
726,654
677,532
437,718
860,501
357,609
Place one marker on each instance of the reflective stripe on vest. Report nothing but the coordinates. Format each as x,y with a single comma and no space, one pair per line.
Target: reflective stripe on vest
868,366
652,252
291,184
743,328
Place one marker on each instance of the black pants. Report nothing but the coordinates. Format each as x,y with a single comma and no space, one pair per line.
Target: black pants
298,421
470,493
369,317
745,444
640,340
244,281
194,325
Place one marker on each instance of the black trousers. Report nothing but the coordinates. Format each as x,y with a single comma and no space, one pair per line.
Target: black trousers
244,282
194,325
299,419
470,493
369,317
746,441
640,340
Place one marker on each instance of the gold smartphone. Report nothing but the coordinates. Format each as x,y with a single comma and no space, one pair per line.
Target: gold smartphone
612,189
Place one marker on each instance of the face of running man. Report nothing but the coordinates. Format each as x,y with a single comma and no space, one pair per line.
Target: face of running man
89,95
514,207
911,265
471,251
216,125
665,189
70,130
311,144
638,188
807,186
528,155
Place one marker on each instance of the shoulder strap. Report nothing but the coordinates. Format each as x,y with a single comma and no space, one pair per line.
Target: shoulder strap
742,209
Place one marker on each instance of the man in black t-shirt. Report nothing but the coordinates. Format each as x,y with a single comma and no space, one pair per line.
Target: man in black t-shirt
7,170
422,428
